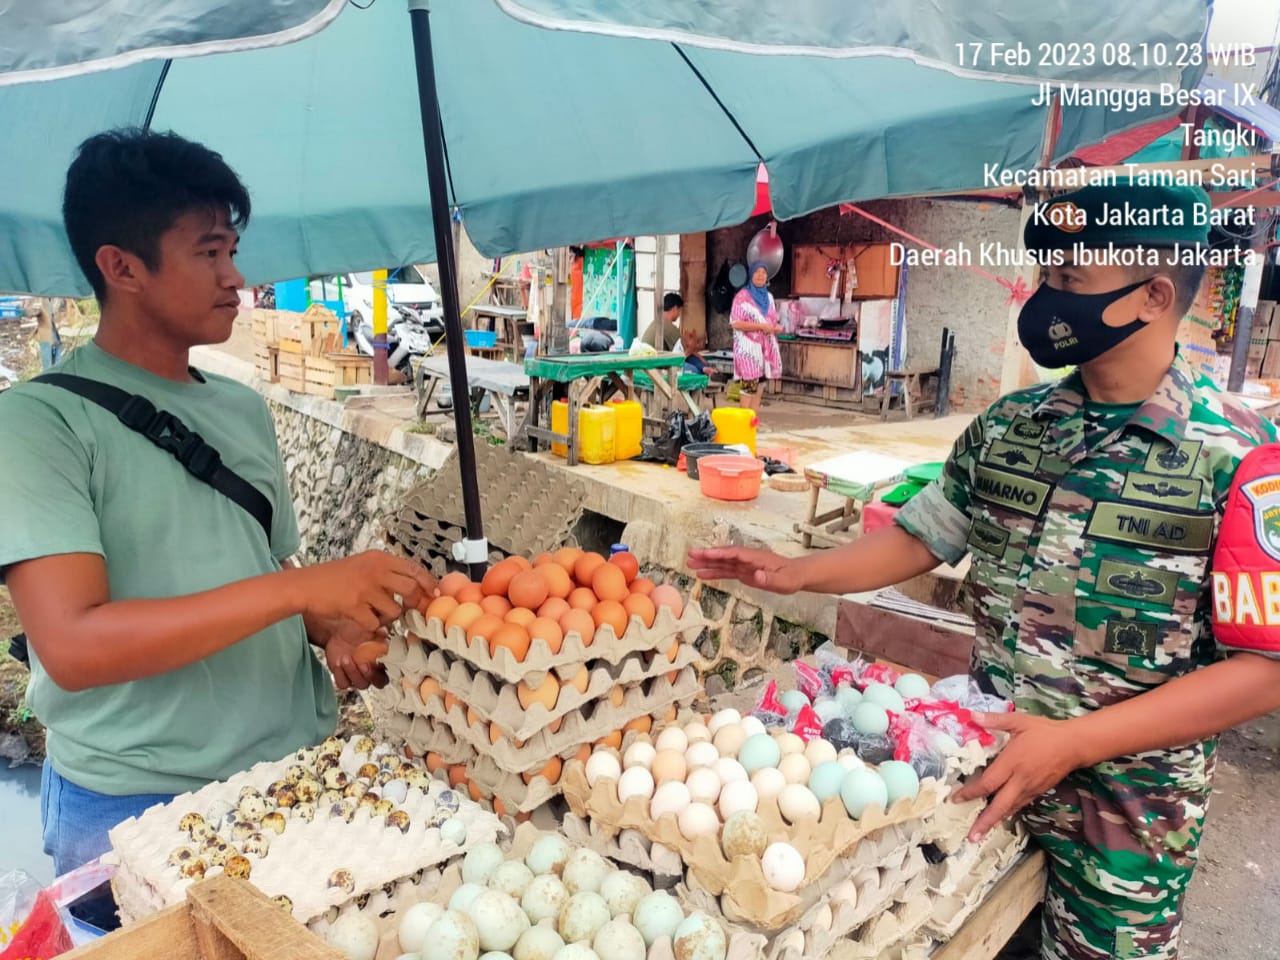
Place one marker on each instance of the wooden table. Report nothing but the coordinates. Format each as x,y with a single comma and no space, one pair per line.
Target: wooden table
504,382
505,322
854,476
592,378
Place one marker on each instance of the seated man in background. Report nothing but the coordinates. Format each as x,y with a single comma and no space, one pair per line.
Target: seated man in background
663,334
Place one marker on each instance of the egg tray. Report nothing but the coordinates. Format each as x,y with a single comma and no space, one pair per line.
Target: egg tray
741,882
649,697
605,647
842,909
952,909
891,927
662,867
1003,844
298,858
499,703
528,509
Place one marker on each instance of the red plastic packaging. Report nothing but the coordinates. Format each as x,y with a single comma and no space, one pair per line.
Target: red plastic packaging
42,935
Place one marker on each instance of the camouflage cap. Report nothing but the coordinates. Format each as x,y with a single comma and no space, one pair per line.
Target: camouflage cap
1122,215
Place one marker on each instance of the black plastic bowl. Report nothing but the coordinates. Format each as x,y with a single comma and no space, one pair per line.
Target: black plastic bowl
692,451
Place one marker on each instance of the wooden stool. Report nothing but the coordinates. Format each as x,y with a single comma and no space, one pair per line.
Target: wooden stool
919,391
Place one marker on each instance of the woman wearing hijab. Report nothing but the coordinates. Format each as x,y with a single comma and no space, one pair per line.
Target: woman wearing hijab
754,318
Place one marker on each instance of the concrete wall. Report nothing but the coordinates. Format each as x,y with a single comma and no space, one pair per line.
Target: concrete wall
973,306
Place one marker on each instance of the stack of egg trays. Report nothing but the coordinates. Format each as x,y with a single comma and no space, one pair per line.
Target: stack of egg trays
626,679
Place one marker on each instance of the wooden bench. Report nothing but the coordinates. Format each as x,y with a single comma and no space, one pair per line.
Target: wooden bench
917,388
504,382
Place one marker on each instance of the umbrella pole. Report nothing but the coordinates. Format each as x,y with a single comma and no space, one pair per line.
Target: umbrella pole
474,550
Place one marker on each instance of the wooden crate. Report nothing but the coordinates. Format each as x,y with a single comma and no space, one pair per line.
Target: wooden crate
266,359
263,324
325,374
309,334
290,371
223,919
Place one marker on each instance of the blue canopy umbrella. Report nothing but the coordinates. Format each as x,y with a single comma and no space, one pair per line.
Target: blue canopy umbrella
609,124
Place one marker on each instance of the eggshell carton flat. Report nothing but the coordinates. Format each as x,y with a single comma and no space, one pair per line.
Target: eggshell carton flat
741,882
662,866
950,911
375,855
648,698
500,703
1003,844
891,927
605,646
837,914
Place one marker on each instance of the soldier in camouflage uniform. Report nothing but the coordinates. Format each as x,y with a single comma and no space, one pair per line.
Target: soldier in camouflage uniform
1090,514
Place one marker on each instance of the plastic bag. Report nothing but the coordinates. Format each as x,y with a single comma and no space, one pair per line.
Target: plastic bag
680,431
31,920
838,670
769,709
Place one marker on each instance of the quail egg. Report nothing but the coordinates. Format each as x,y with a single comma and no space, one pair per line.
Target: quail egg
295,774
342,880
286,797
307,756
367,771
258,845
180,855
252,807
334,778
344,810
306,812
218,854
193,869
308,789
238,868
275,821
398,819
283,902
364,746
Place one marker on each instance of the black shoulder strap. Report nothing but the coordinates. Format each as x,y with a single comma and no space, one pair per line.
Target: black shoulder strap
172,436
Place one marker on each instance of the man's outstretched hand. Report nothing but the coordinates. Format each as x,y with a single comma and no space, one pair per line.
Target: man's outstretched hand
755,568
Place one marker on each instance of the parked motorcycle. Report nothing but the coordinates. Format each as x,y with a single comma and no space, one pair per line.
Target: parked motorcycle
410,336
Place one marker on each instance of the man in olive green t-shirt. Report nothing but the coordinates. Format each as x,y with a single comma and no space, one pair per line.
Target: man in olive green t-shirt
168,631
663,334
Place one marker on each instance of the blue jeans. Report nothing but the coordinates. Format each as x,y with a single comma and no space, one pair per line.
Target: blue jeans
76,820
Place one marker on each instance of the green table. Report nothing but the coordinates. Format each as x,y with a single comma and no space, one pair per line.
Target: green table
592,378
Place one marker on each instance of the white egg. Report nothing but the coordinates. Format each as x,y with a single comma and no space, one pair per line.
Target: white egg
729,739
453,935
544,897
618,940
752,725
797,802
635,782
414,924
703,784
669,799
696,731
768,782
729,770
355,935
818,752
582,915
789,743
699,938
511,878
672,738
795,768
498,918
657,915
453,831
549,854
463,897
723,718
602,765
584,871
849,760
576,951
639,754
698,819
736,797
622,891
783,867
480,861
701,754
537,943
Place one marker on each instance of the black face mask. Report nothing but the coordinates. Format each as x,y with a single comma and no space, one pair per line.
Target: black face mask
1061,329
